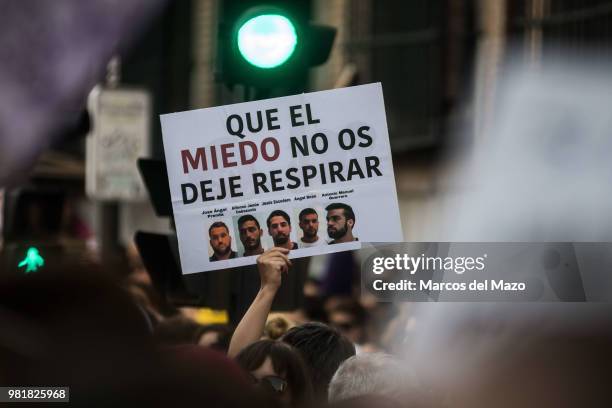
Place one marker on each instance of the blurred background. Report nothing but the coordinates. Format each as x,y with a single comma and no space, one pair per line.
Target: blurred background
72,71
440,63
499,127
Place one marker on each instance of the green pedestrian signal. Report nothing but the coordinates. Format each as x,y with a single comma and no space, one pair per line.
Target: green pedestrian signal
32,261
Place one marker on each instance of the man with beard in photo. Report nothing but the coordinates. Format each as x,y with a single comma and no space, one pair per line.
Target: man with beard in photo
221,242
279,228
340,223
250,235
309,224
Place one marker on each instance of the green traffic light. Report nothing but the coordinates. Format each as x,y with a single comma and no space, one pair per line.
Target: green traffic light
267,40
32,260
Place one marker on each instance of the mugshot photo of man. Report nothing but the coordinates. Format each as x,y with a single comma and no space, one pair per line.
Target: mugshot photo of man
220,242
279,228
250,235
309,224
340,223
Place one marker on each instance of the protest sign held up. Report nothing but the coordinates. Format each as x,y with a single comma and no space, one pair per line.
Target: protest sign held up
309,172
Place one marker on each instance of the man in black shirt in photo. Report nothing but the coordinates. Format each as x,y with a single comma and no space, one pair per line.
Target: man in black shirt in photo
279,228
340,223
221,242
250,235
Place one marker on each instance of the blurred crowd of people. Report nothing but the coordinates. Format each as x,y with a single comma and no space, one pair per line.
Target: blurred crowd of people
115,340
107,333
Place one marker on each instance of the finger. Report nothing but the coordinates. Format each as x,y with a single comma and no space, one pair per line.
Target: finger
280,249
276,256
283,265
284,257
280,266
276,261
265,256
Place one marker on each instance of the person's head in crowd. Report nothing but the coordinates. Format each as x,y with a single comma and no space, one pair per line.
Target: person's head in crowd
176,330
340,223
373,374
63,325
309,224
278,368
220,242
279,228
313,307
250,235
214,336
276,326
323,350
179,330
312,287
197,376
349,317
147,297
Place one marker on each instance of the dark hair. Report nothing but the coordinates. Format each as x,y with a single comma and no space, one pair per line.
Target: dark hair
104,343
323,349
351,307
246,218
348,211
286,361
176,330
306,211
217,224
224,335
276,213
179,330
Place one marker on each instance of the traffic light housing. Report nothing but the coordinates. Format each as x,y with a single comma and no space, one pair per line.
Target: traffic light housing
270,45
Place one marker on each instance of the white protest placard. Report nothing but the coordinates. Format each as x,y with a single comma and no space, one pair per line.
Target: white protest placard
309,172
